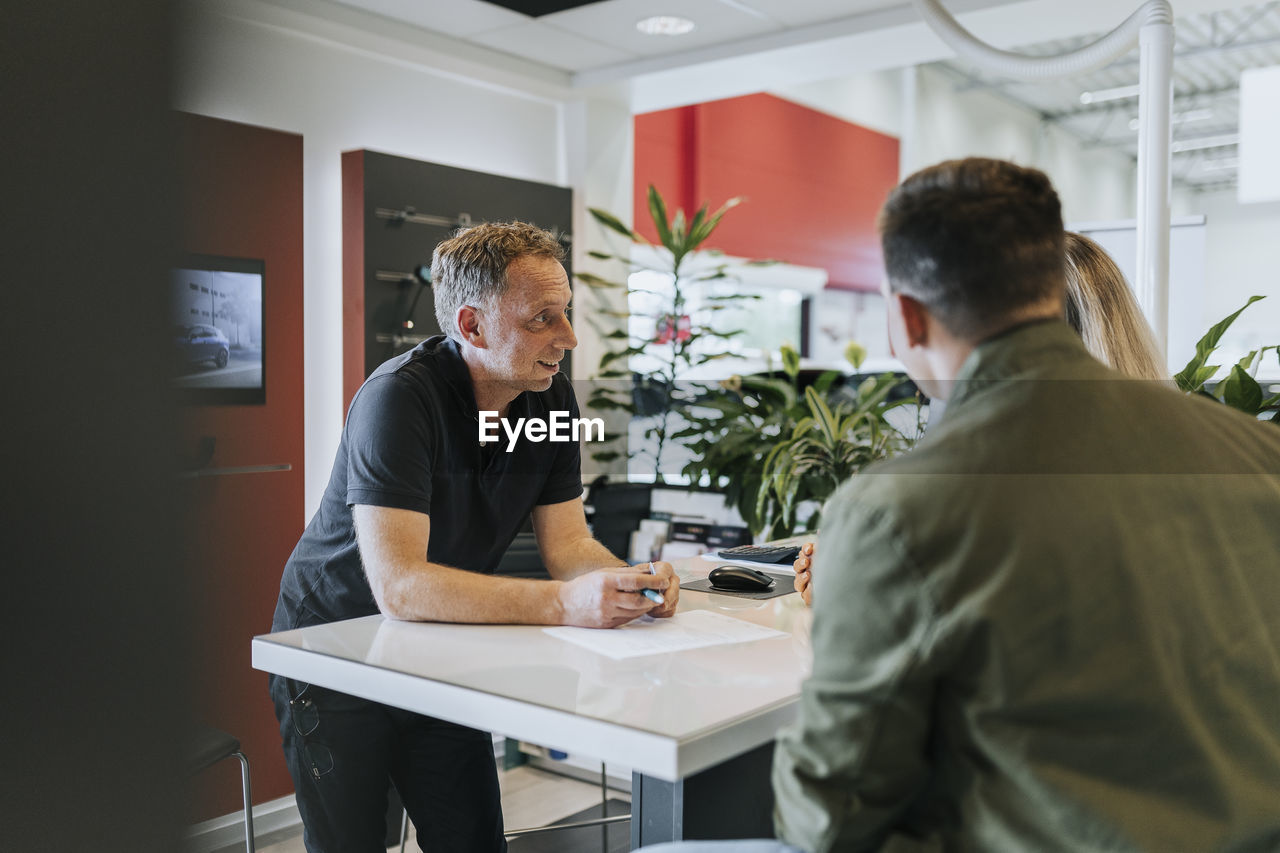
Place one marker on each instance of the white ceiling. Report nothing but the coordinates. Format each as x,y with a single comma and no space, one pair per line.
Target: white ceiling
604,33
741,46
1210,51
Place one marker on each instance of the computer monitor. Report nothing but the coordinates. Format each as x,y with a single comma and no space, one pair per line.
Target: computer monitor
218,346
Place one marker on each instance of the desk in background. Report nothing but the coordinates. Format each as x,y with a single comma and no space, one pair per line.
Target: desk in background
696,726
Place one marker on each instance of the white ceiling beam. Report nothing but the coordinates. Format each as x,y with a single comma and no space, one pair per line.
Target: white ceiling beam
889,38
355,30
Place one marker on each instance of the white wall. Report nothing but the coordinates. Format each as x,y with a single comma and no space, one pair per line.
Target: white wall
1242,259
1242,252
936,121
873,100
249,65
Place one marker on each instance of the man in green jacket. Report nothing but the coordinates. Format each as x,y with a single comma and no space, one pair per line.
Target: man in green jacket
1055,625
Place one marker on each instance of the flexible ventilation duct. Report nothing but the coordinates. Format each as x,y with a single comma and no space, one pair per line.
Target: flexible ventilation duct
1152,27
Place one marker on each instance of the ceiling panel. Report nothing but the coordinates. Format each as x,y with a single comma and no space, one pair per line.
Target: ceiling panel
551,46
796,14
452,17
614,23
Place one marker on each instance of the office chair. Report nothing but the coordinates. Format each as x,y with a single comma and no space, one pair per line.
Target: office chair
206,748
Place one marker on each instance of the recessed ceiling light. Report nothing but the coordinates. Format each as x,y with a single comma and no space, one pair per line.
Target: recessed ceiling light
664,25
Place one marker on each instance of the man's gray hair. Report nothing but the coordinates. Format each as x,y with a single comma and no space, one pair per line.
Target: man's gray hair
470,268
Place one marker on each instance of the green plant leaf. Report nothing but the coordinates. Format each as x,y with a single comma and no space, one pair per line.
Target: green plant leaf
855,353
610,357
603,256
679,235
711,276
604,404
822,414
1249,360
709,333
802,426
735,297
880,388
1241,391
1201,376
695,224
1186,378
715,356
593,280
1262,354
777,393
790,361
710,223
658,213
605,455
824,381
612,222
611,395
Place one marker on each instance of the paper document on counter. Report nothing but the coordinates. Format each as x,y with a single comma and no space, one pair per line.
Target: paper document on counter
646,636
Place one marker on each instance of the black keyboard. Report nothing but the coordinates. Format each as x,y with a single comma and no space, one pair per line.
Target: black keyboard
762,553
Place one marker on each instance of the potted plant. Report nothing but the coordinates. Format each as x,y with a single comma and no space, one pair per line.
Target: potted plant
1239,389
777,445
671,338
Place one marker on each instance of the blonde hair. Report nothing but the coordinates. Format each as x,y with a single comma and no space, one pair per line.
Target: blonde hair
1102,309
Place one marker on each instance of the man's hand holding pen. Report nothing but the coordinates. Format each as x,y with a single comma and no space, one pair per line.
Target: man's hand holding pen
607,598
667,599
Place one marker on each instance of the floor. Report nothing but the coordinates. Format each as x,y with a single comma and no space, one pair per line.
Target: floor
530,797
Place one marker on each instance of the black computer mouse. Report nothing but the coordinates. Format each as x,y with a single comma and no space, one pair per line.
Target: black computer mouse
740,579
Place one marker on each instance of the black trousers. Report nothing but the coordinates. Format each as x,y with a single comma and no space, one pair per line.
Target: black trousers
341,751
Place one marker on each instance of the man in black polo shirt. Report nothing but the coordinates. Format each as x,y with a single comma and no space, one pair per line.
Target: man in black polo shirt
417,514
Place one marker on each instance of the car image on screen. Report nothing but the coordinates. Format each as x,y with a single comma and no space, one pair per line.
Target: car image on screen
202,343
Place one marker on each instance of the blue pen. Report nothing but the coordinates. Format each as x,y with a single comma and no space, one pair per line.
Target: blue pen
652,594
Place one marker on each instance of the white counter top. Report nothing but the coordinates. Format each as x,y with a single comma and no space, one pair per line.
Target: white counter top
666,715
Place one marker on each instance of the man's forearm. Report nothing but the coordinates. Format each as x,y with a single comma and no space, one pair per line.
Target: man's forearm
579,556
430,592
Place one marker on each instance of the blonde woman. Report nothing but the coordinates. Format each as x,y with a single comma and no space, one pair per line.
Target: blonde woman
1101,308
1103,311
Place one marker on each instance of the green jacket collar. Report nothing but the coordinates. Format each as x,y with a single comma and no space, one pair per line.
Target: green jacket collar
1029,350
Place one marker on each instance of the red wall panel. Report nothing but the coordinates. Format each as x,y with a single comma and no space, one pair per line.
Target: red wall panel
813,183
353,373
243,198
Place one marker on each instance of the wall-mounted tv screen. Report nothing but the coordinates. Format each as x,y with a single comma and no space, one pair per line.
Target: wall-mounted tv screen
217,330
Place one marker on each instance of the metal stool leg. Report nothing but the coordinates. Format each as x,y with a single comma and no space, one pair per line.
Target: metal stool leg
604,809
248,802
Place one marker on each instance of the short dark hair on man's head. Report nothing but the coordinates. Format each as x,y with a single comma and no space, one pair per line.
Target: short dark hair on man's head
470,268
975,240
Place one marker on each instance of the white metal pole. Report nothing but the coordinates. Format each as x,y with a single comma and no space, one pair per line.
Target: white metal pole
1155,105
1153,25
